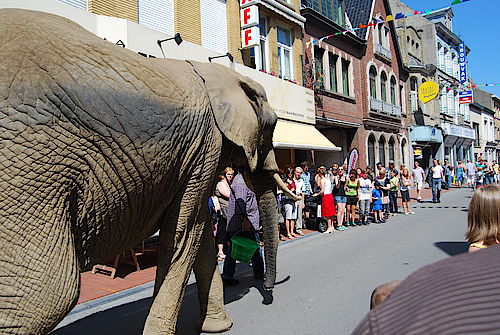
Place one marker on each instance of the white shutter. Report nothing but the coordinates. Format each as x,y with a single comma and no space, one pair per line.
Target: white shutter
214,25
157,14
82,4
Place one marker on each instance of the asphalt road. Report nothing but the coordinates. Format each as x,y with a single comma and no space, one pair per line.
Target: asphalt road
325,280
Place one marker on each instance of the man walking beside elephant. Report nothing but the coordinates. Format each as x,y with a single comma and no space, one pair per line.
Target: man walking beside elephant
242,218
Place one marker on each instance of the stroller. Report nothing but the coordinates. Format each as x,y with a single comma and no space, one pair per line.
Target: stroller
311,218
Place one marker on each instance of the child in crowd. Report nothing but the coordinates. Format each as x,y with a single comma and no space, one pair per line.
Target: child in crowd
479,177
365,192
484,218
393,192
377,195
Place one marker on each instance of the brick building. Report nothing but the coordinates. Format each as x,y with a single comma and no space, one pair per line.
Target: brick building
332,69
359,80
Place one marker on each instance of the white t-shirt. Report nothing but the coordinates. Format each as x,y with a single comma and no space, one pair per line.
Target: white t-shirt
436,171
327,185
365,189
299,186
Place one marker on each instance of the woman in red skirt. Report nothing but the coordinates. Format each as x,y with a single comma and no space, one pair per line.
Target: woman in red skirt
327,203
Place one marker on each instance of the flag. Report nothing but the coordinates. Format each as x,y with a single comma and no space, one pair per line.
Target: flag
389,18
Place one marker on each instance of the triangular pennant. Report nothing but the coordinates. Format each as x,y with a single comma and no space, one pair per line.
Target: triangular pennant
417,12
399,16
456,2
361,26
428,12
372,24
389,18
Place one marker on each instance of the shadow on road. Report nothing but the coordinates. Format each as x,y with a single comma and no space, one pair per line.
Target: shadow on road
452,248
129,319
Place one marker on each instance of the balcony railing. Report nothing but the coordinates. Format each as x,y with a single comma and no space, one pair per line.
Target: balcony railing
385,107
383,52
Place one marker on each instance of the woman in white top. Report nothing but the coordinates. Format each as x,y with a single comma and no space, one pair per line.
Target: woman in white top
327,203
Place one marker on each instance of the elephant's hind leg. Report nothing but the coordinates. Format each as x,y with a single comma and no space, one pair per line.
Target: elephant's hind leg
214,318
39,277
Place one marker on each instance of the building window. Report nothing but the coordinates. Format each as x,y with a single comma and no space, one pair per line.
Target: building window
82,4
391,149
393,91
284,53
383,86
345,76
403,150
371,151
319,74
413,94
381,150
263,58
158,15
213,24
373,82
333,71
380,35
476,130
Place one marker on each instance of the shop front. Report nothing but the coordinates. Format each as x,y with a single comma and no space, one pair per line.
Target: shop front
457,142
426,142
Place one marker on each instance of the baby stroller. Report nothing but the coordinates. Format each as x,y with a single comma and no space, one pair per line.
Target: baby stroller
311,219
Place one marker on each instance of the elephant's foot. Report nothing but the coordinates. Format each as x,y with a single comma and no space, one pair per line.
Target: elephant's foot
217,324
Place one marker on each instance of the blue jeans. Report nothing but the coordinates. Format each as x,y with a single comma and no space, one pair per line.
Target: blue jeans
436,189
449,180
230,263
393,201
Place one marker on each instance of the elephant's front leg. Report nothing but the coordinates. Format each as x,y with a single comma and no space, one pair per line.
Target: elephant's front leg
214,318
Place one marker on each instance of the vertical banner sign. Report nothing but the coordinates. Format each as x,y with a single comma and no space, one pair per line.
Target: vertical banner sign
353,159
462,63
465,97
249,21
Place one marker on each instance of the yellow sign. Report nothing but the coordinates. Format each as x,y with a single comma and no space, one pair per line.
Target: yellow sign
417,152
428,91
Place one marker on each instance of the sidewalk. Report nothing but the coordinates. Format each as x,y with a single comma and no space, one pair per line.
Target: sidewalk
98,285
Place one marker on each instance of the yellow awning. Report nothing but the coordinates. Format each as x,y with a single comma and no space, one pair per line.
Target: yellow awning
295,135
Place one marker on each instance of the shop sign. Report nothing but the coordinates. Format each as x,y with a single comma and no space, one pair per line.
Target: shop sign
462,63
454,130
249,16
417,152
465,97
428,91
249,21
250,37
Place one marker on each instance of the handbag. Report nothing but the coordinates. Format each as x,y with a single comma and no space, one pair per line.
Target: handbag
385,200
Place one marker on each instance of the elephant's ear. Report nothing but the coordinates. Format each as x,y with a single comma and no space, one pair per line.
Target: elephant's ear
238,104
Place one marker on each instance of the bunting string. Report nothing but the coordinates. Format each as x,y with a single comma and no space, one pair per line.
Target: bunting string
471,86
387,19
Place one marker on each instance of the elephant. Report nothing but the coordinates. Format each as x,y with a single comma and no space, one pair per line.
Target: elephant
99,148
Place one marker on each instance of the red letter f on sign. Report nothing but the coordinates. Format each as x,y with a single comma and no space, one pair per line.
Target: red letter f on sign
246,15
248,36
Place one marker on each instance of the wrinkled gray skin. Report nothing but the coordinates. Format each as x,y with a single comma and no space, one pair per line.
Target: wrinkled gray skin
99,148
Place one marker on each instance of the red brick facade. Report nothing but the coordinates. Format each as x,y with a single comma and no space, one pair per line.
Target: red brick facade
347,119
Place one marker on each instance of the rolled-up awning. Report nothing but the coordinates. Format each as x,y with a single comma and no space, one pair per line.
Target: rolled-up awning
295,135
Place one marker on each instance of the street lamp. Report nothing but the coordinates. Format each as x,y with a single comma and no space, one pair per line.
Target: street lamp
228,55
177,38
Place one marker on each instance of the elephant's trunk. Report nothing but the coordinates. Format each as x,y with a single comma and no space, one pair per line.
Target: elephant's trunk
265,191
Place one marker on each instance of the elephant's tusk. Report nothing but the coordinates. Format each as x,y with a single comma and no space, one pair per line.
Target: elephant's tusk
281,185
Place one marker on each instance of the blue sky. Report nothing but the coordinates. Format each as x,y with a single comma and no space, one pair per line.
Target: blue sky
476,23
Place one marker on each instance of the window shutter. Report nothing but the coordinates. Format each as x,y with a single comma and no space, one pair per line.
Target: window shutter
157,14
214,25
82,4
